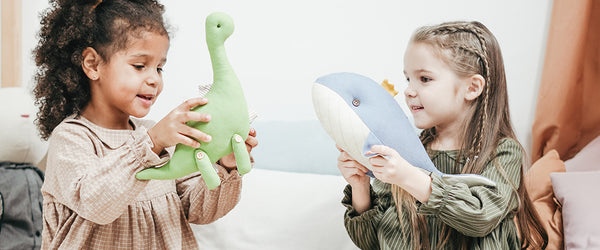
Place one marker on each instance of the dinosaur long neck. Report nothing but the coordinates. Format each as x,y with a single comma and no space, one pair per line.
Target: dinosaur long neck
223,73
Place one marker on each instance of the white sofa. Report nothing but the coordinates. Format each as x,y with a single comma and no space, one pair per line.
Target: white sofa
292,197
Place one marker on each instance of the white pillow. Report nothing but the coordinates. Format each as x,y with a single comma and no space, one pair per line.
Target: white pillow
20,141
578,194
586,159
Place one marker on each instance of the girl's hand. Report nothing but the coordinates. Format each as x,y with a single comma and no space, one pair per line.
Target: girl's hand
388,165
352,171
355,175
172,128
228,161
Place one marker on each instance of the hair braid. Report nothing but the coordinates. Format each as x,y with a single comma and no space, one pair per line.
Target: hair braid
484,115
482,53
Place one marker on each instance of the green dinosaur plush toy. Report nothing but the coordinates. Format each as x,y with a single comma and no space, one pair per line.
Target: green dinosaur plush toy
229,125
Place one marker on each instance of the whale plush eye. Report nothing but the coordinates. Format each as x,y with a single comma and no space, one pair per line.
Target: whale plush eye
356,102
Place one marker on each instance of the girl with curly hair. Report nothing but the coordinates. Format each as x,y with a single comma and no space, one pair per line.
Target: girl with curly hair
99,70
457,94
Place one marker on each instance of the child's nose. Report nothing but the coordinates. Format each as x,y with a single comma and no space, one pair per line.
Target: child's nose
409,91
153,79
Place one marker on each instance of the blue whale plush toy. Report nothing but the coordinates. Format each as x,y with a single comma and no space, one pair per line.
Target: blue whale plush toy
358,113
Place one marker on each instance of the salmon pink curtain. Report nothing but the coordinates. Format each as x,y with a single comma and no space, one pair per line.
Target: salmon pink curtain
567,115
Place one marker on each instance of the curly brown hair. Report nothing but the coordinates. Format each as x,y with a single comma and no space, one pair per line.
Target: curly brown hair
68,28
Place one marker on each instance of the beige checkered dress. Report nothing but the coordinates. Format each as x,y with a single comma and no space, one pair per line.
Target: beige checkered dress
92,199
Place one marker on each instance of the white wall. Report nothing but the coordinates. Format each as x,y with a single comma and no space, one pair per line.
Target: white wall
280,47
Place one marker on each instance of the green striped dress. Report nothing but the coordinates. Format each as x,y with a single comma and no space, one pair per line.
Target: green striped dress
483,213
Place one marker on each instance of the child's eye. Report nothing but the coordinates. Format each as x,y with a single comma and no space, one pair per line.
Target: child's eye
407,79
425,79
138,66
160,70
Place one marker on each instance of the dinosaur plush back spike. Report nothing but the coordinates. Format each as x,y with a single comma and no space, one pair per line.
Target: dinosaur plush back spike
358,113
227,106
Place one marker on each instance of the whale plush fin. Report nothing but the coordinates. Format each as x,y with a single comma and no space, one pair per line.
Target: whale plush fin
371,141
469,179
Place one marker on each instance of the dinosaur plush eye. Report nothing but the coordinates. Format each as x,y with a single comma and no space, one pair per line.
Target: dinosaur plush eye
218,25
356,102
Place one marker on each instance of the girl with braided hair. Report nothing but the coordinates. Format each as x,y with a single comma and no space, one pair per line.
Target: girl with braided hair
100,68
457,94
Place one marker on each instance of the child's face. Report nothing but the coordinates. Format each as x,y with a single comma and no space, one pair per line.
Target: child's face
435,94
131,80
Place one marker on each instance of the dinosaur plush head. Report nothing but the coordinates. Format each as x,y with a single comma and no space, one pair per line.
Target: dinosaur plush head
219,26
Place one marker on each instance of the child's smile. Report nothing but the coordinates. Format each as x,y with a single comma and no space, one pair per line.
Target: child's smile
415,108
147,100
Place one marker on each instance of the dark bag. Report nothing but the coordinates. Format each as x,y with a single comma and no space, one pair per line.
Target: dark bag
20,206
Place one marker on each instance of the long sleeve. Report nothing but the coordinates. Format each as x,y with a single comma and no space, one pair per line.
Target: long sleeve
481,212
95,181
362,228
203,206
92,199
477,210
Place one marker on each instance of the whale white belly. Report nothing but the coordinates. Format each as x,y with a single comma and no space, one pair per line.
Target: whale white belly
337,117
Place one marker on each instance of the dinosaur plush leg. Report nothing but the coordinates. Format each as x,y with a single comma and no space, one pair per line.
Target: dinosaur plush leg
209,174
242,158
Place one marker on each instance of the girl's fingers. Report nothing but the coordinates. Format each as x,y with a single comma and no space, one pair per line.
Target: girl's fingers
193,102
343,157
348,170
378,161
188,141
363,168
196,116
382,150
345,165
194,133
359,172
251,141
354,165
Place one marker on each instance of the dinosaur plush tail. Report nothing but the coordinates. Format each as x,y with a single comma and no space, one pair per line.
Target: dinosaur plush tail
179,167
167,172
